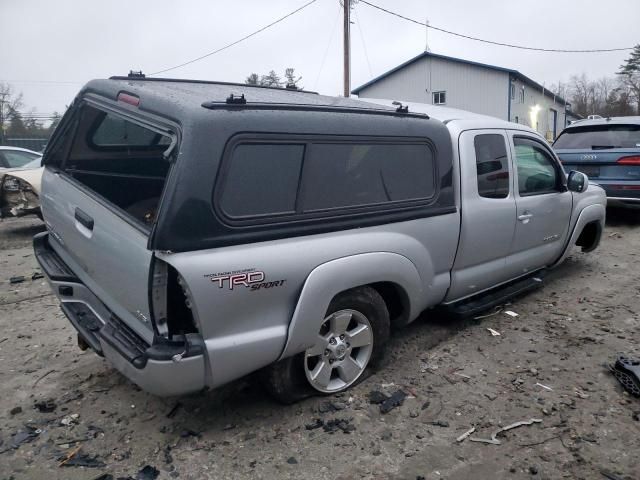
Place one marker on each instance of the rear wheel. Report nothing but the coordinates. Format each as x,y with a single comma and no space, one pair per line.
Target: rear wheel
350,339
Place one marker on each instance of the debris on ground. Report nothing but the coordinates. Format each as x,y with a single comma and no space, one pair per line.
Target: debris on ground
494,440
148,473
627,372
69,420
395,400
174,410
24,436
37,276
462,437
544,386
45,406
15,410
317,423
376,397
292,461
511,313
82,460
440,423
17,279
493,332
344,424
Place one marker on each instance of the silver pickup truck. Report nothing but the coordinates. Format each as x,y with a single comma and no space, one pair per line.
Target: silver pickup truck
201,231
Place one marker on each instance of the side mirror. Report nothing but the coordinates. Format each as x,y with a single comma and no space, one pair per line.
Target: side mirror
577,181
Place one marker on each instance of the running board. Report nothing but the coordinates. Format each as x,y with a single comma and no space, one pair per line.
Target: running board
474,305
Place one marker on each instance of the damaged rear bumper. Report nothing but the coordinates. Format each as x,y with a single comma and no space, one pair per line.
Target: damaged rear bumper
163,368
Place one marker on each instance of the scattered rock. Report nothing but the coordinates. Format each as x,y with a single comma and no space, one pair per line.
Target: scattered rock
533,470
317,423
148,473
15,410
292,461
336,424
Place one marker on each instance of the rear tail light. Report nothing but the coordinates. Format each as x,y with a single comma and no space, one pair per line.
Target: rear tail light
632,160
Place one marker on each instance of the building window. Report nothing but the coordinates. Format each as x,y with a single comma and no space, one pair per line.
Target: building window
439,98
512,90
517,119
522,95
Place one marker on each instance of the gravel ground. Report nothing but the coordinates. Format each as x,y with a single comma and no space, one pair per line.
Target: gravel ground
548,364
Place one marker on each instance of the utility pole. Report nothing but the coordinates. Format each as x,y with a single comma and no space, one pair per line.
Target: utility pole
2,97
347,43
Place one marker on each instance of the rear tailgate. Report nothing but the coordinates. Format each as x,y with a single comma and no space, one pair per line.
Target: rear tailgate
103,180
602,164
110,258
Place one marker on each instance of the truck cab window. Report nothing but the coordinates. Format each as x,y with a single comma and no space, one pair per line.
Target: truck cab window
537,170
492,166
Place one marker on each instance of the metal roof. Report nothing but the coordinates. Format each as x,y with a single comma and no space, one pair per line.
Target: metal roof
514,73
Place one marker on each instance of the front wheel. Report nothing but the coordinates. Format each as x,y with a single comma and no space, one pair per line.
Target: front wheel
351,338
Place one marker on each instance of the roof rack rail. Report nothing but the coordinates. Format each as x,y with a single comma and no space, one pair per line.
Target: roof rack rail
206,82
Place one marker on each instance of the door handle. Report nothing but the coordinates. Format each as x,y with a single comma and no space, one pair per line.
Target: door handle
525,217
84,219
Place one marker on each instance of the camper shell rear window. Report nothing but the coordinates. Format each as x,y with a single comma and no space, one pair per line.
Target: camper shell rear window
122,159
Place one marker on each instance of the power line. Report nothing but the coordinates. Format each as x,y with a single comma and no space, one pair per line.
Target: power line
237,41
331,38
364,44
510,45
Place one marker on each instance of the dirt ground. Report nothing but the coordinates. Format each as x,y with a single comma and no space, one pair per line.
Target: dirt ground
549,364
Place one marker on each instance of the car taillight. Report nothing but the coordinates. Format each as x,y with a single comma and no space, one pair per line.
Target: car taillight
632,160
128,98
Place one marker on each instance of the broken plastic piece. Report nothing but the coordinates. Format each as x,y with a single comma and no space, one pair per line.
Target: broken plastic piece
627,372
395,400
493,332
544,386
494,440
511,313
462,437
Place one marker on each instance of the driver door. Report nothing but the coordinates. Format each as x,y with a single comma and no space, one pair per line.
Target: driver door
543,205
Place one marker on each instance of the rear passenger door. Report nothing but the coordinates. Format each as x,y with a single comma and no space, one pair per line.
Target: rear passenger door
543,205
488,212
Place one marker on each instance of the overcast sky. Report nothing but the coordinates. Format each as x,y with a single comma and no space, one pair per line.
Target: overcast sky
77,40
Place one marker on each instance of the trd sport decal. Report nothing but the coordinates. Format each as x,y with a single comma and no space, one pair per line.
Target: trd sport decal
249,278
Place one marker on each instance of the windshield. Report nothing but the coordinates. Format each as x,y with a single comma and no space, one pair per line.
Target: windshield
37,163
598,137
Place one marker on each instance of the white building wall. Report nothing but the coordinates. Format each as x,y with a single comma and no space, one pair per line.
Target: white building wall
535,110
468,87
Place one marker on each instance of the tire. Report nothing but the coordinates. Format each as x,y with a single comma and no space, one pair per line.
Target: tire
346,355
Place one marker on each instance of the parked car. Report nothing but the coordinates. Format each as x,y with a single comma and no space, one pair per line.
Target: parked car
16,157
608,151
20,190
200,231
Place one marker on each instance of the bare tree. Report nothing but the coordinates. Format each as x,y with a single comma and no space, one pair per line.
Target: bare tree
9,102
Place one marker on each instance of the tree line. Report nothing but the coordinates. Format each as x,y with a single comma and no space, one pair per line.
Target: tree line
14,122
616,95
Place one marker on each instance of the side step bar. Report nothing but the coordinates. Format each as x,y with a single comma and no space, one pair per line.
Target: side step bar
474,305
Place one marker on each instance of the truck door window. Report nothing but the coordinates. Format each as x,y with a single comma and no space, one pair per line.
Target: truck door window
492,166
537,170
